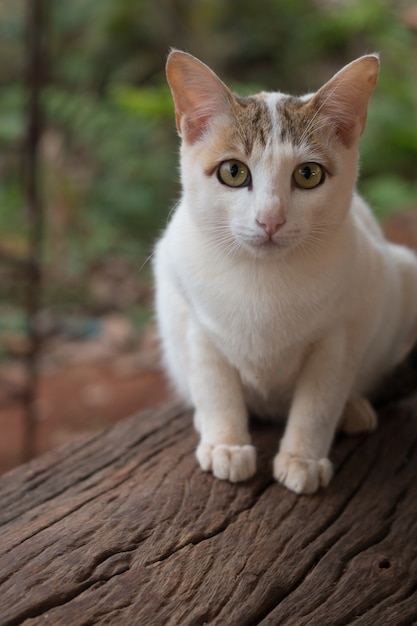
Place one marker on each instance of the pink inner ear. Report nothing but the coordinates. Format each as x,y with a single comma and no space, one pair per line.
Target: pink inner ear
199,95
344,99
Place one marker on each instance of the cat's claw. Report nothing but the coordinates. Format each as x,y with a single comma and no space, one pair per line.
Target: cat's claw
358,417
234,463
302,475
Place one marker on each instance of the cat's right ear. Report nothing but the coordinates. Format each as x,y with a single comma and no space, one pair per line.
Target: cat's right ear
199,95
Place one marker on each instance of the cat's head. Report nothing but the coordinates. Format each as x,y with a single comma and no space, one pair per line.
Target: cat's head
271,172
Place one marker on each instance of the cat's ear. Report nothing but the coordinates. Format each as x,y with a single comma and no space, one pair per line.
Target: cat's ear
199,95
344,99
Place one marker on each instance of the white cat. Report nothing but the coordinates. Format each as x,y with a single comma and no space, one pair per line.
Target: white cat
276,293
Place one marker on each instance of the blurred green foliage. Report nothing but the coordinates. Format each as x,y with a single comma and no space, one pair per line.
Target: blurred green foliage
110,147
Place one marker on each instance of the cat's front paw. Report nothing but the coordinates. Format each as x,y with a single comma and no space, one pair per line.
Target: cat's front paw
302,475
234,463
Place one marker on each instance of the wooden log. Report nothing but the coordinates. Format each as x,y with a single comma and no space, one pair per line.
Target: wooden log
123,528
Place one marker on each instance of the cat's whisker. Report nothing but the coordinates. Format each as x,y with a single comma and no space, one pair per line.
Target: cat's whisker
172,211
146,261
220,239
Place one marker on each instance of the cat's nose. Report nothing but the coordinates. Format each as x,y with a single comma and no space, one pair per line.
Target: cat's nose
271,224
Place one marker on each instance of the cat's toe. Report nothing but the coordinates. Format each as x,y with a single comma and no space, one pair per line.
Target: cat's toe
234,463
204,456
358,417
302,475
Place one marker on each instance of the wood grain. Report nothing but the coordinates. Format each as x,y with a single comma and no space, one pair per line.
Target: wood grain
123,528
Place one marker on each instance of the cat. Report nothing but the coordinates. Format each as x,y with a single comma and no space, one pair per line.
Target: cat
276,292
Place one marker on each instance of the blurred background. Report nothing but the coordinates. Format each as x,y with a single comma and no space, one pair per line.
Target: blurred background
93,117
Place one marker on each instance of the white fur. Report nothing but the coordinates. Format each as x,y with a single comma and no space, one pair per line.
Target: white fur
301,327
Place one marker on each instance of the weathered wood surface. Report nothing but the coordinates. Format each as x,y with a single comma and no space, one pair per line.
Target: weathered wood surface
124,529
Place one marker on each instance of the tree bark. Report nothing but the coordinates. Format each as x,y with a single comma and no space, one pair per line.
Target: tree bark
123,528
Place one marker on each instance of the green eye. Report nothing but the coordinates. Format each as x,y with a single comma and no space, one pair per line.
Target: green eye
234,174
308,175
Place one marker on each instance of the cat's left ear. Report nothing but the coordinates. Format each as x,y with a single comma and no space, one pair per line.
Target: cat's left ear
199,95
344,99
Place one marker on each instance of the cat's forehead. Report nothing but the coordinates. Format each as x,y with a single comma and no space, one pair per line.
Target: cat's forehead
269,116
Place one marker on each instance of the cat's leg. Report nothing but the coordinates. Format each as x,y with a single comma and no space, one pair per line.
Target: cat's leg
319,398
205,380
358,417
220,413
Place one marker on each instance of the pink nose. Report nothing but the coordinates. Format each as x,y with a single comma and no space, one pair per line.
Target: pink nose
271,225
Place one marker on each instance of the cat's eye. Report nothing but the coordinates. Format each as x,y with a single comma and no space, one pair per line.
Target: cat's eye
308,175
234,173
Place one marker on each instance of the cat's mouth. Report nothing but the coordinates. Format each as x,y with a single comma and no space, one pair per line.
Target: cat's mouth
261,244
279,242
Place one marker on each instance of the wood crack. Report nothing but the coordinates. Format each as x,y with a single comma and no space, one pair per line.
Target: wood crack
57,600
197,539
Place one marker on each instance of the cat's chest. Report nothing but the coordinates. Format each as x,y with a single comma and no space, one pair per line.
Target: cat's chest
258,331
256,315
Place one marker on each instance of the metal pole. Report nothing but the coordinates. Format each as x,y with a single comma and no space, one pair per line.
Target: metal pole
34,80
